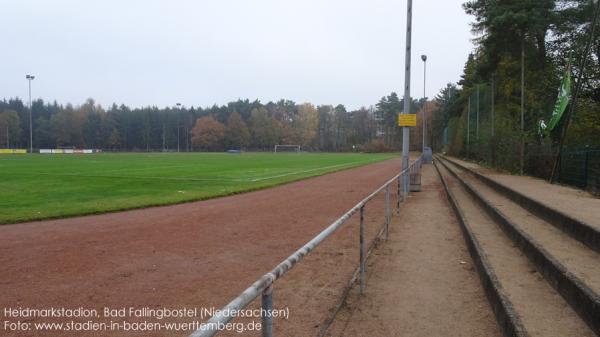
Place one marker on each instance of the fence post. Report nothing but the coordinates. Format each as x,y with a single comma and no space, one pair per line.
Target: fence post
469,127
362,249
388,214
267,308
587,162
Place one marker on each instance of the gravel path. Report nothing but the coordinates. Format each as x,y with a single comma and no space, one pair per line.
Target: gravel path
422,282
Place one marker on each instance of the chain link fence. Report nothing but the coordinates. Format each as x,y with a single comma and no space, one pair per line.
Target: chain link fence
488,130
581,167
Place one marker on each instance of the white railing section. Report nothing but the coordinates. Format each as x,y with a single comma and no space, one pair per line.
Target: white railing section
264,285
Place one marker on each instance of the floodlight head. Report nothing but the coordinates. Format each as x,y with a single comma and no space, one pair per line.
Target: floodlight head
424,58
178,104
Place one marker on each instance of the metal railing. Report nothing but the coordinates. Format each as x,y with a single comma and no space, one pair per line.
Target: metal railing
264,285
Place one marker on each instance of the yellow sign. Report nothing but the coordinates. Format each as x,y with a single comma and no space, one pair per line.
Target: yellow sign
407,120
13,151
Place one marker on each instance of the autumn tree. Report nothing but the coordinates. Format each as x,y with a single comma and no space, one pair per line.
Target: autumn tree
324,129
60,124
264,129
208,134
363,127
237,135
9,127
308,121
340,124
288,134
388,109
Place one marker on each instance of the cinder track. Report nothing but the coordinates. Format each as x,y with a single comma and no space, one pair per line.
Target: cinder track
199,254
509,254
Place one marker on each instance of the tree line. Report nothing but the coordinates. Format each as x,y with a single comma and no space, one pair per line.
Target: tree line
241,124
539,39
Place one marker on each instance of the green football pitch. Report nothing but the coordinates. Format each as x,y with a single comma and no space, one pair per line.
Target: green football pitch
34,187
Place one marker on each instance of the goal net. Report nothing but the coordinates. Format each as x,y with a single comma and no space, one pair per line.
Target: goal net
287,148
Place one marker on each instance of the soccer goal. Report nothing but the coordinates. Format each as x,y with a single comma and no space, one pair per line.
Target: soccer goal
287,148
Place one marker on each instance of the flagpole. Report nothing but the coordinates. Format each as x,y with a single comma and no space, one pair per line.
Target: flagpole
575,94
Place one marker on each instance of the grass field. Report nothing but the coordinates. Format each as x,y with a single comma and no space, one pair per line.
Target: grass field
34,187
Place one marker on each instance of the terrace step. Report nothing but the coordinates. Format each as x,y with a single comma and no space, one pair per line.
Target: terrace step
524,303
587,233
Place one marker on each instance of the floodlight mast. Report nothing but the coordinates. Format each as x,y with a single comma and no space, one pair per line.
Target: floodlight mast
29,79
406,110
424,58
178,113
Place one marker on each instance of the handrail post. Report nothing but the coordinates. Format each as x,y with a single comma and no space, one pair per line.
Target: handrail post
405,184
398,197
267,309
388,213
362,249
409,172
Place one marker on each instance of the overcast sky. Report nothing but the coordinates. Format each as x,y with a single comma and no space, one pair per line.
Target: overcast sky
201,52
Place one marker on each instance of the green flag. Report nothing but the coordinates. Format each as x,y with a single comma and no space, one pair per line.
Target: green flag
564,95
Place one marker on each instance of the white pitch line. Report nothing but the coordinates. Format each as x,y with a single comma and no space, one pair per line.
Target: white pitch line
298,172
146,168
141,177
